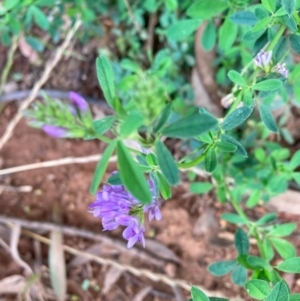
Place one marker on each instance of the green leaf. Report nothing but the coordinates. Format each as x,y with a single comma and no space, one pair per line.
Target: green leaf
114,179
227,34
267,118
291,265
237,78
290,22
284,248
166,163
268,249
241,241
131,123
171,4
198,295
296,177
9,4
295,42
102,125
201,187
253,199
240,149
236,118
257,288
239,275
262,24
245,17
164,187
258,263
105,77
209,36
283,230
289,6
218,299
233,218
226,146
182,29
204,10
45,2
35,43
267,218
268,85
294,297
190,126
101,167
210,160
132,176
280,292
295,161
269,5
40,18
163,118
222,268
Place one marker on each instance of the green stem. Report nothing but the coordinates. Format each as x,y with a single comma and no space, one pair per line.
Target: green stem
259,243
276,38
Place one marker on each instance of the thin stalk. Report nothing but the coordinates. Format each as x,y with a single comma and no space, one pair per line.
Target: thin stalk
9,62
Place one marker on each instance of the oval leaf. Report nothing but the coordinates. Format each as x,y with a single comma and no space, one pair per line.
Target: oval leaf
240,149
101,167
280,292
236,78
226,146
166,163
244,18
106,79
210,160
182,29
204,10
268,85
267,118
257,289
241,241
222,268
198,295
239,275
291,265
190,126
236,118
132,176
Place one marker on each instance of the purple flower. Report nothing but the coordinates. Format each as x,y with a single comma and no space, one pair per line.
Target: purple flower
153,211
134,233
282,70
55,131
117,207
78,101
263,59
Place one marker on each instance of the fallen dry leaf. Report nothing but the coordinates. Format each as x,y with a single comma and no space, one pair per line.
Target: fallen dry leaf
12,284
160,250
142,294
97,249
111,277
57,267
27,50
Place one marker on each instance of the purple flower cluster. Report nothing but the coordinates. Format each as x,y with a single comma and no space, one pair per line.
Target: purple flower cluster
282,70
117,207
263,59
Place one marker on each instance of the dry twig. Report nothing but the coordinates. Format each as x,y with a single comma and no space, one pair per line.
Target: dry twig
135,271
72,231
49,67
53,163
